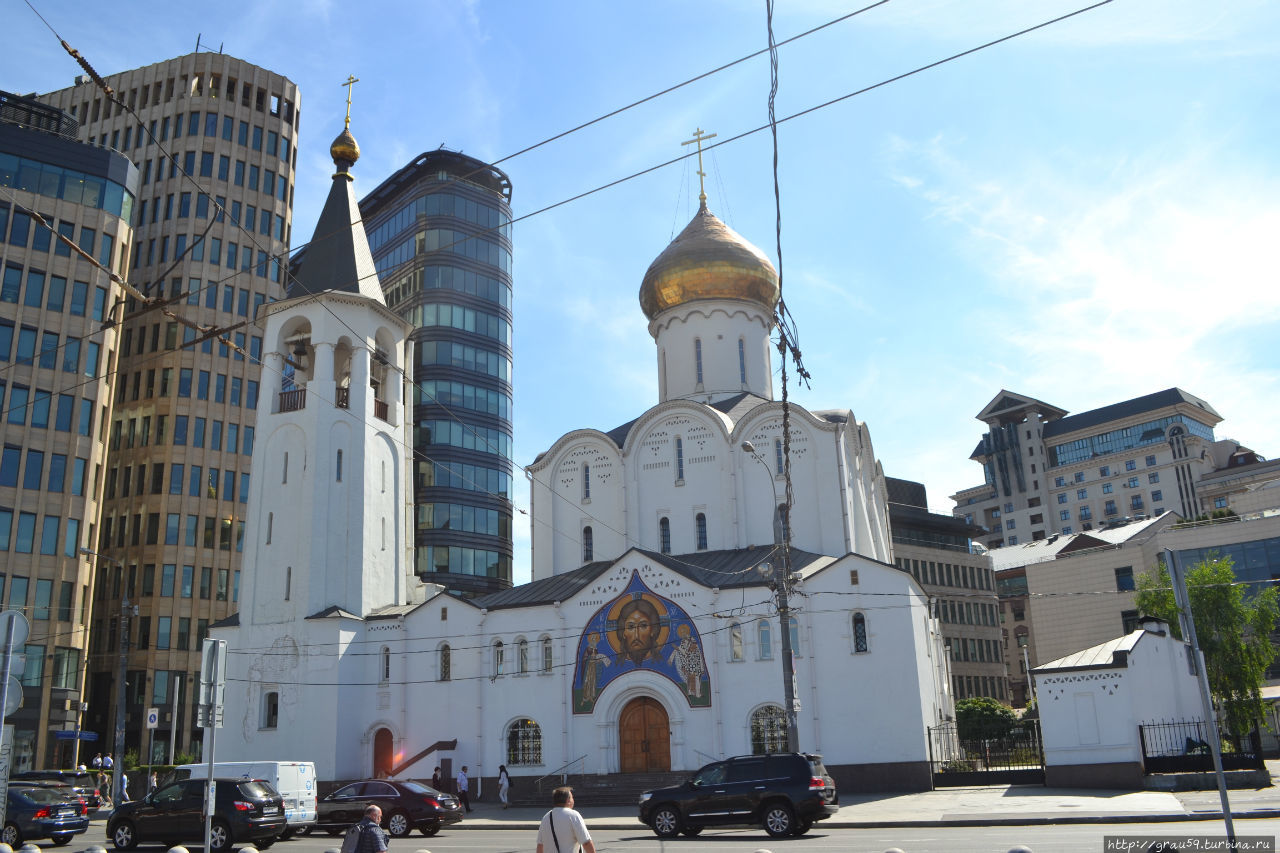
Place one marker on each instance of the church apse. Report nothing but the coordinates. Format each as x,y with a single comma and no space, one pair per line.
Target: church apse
639,630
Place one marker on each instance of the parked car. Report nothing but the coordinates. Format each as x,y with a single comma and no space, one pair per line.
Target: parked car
246,811
43,810
295,781
406,806
84,782
786,793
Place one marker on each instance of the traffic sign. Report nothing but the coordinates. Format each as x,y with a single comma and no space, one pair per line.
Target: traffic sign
13,696
153,717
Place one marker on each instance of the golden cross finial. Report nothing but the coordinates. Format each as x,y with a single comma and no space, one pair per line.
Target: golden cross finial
698,137
351,81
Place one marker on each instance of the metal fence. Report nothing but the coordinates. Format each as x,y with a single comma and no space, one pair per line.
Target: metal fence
1182,746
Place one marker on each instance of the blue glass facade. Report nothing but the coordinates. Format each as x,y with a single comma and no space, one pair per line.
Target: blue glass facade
1120,440
440,233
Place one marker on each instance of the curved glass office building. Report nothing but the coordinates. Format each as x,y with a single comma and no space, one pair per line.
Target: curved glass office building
440,233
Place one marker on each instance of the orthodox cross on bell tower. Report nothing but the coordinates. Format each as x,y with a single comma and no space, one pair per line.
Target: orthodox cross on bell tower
351,81
698,137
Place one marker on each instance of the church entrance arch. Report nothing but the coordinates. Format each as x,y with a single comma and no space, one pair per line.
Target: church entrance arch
644,737
382,754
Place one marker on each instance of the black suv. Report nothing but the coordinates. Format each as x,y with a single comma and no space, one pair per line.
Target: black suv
783,792
245,812
84,782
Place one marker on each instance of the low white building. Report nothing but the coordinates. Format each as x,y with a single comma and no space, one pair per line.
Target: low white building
648,639
1092,702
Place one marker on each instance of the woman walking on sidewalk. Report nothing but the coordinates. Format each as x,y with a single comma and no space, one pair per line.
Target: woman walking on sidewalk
504,785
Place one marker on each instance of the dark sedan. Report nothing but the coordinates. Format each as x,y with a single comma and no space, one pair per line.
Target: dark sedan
245,812
84,782
53,812
406,806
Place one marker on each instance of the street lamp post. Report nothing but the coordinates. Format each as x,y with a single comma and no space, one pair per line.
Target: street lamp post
782,586
117,769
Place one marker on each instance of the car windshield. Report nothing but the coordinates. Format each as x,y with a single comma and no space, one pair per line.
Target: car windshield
257,788
418,788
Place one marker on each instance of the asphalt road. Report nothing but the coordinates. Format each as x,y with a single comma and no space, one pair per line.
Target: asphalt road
1072,838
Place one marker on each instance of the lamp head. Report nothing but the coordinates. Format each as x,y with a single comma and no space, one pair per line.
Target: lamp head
765,570
748,447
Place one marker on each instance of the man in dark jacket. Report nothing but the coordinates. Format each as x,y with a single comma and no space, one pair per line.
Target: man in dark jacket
372,837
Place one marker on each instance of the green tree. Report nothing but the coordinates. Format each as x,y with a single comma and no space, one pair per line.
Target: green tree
1233,625
983,717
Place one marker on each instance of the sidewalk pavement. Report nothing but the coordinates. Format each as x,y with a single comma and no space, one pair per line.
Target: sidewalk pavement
996,805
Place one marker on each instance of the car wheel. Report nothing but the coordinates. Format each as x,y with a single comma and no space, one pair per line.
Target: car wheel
266,842
803,826
691,831
219,837
431,829
398,824
124,836
666,822
11,835
778,820
60,840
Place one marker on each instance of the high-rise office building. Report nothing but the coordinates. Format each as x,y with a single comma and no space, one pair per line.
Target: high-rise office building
57,351
215,141
440,233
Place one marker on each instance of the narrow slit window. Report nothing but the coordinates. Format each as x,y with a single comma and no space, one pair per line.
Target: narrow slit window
697,358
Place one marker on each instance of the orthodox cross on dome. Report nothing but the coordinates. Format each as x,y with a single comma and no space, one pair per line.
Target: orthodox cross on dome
351,81
698,137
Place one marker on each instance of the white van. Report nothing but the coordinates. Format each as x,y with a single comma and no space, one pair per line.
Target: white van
295,780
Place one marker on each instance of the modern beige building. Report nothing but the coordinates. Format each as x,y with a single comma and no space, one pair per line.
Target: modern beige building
936,550
1047,472
1081,588
215,142
58,350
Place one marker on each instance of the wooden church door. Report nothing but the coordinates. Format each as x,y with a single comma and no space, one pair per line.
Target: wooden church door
644,737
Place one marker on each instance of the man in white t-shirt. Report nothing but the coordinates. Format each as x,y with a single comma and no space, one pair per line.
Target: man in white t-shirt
562,829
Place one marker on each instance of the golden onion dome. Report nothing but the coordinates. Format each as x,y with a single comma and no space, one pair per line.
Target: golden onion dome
344,150
708,260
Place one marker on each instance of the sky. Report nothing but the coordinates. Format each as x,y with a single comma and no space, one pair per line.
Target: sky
1081,214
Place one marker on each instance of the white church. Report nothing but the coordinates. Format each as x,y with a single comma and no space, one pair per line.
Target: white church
649,638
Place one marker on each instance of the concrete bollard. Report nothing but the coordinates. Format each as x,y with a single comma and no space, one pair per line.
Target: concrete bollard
171,850
5,848
29,848
92,848
422,851
894,850
1020,849
332,850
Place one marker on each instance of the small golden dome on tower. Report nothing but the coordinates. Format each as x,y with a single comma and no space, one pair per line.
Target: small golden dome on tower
708,260
344,150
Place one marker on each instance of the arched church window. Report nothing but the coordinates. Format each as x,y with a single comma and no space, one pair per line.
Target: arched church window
859,633
778,462
664,535
697,358
735,641
446,663
524,743
764,638
338,468
742,361
700,521
522,656
793,631
781,530
498,658
768,730
384,669
679,459
270,709
588,545
546,654
586,482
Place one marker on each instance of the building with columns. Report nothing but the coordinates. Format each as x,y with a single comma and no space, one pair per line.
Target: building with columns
649,638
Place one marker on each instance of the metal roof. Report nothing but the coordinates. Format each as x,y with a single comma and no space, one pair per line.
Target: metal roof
1126,409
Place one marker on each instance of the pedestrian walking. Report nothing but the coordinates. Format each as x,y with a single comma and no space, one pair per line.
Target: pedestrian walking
124,787
373,838
562,829
436,781
504,785
463,785
152,782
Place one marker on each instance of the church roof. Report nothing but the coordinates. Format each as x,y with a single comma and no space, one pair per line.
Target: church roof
708,260
338,256
735,408
722,569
